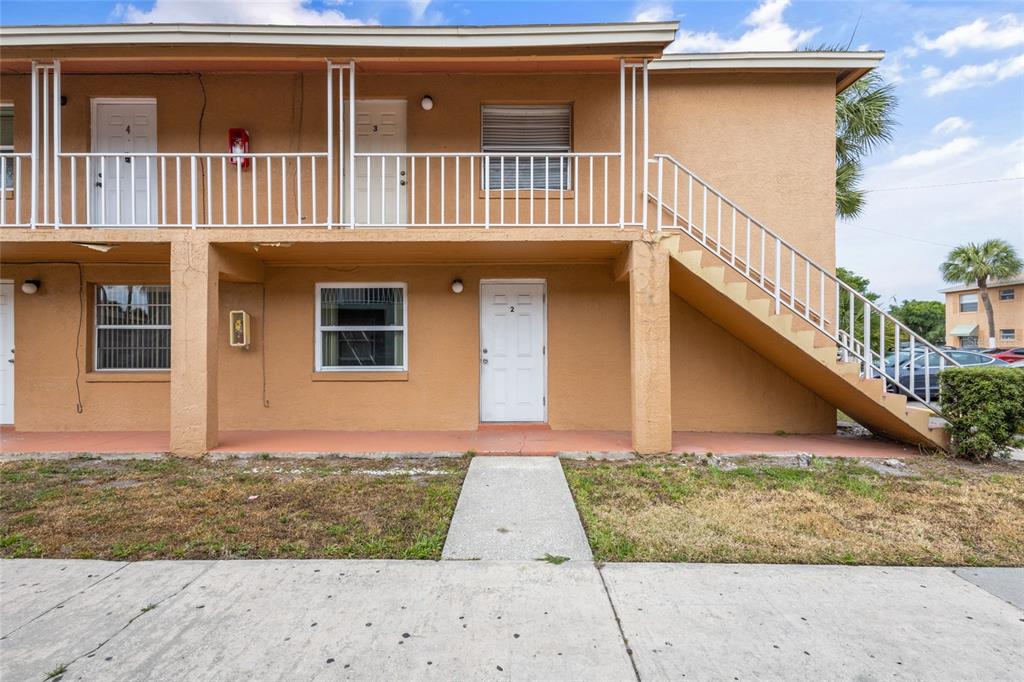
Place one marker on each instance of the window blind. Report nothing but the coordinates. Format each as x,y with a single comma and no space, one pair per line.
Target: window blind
526,145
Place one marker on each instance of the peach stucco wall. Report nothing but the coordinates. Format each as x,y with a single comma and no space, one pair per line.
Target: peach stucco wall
717,382
588,351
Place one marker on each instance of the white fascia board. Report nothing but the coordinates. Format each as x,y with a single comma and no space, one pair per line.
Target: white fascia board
830,61
435,37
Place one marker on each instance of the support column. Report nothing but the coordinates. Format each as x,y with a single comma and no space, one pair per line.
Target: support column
194,313
650,348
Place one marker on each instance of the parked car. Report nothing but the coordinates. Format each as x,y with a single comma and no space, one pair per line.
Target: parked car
1011,354
927,367
992,351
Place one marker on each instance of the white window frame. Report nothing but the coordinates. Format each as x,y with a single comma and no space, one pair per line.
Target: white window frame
1007,334
7,150
96,330
1011,294
961,302
404,328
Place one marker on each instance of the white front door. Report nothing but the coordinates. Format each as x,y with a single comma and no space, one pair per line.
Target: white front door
513,321
380,181
6,353
123,188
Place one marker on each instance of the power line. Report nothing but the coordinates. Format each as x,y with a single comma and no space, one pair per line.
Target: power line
947,184
902,236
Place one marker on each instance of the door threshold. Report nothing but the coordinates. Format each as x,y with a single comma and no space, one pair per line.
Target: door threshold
513,426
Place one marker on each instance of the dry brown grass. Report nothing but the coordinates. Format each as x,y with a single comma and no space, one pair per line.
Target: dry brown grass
947,513
264,508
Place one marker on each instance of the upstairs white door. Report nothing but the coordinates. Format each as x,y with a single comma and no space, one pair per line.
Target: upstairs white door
123,188
381,182
6,353
513,334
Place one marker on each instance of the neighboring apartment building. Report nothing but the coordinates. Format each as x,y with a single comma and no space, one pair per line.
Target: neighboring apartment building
428,228
967,324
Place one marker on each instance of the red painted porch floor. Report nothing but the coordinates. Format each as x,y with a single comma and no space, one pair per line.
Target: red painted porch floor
485,441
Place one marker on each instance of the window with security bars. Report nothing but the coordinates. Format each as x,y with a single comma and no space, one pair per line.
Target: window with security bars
361,326
132,327
527,146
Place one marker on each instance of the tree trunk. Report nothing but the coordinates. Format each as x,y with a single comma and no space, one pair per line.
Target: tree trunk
983,292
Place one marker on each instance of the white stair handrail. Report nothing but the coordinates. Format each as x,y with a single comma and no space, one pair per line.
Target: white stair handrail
784,272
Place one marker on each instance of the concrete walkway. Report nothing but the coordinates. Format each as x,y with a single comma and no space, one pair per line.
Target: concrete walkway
16,444
371,620
517,508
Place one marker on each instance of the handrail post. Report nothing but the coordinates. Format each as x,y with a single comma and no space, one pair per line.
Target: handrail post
622,146
192,191
330,143
56,146
661,192
34,195
778,275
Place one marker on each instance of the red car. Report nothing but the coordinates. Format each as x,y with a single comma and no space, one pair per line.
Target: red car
1011,355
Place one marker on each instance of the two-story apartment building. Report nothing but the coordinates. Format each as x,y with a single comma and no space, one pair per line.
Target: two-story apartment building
210,228
967,324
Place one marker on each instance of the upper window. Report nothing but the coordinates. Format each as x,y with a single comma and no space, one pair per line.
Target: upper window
361,326
1006,335
7,145
968,303
133,327
1006,294
526,146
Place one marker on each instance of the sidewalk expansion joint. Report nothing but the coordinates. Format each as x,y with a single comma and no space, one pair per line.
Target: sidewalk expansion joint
618,622
63,603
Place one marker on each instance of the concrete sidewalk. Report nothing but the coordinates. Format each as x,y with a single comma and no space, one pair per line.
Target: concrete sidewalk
301,620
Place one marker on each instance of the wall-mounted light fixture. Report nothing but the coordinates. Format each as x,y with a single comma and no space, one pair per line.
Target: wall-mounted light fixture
427,102
30,286
457,286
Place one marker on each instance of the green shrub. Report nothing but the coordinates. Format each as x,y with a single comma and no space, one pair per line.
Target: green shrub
985,409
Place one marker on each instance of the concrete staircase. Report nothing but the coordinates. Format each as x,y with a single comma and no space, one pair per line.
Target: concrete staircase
791,342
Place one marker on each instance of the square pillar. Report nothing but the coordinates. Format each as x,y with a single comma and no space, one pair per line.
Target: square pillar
650,348
194,312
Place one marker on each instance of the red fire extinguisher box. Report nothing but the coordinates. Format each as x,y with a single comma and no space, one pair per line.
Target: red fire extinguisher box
238,143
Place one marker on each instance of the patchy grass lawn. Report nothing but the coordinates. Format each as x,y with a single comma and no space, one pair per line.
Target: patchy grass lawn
944,512
263,508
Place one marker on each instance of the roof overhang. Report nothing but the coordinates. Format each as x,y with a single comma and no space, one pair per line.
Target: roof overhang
992,284
636,39
847,66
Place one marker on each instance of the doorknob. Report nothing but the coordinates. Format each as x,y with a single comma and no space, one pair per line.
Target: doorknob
402,183
484,361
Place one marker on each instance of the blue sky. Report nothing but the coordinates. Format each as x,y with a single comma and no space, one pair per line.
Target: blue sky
958,68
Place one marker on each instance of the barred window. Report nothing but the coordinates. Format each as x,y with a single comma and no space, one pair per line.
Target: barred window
361,326
527,146
132,327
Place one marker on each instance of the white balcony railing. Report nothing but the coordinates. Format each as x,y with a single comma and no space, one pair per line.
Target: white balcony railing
299,190
15,170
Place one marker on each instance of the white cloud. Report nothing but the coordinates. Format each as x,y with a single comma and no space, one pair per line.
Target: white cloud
936,213
768,32
930,72
299,12
974,75
1008,31
658,10
930,157
951,125
420,12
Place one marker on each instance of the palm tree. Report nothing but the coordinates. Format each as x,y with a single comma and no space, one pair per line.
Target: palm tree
976,263
865,119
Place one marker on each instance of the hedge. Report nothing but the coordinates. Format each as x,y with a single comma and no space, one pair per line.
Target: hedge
985,409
